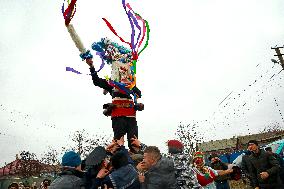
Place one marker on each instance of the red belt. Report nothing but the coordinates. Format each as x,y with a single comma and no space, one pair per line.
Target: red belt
123,108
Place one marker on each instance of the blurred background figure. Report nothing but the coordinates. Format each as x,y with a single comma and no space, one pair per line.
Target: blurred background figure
280,160
71,175
221,182
13,186
45,183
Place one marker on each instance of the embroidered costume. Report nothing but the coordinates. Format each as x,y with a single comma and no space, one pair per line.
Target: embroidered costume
122,109
204,174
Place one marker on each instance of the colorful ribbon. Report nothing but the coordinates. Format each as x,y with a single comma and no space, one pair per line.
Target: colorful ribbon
69,13
101,55
115,33
69,69
148,37
133,20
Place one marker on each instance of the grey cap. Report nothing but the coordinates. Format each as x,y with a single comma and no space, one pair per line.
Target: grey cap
96,156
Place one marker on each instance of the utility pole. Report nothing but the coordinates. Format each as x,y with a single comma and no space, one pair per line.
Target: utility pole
279,55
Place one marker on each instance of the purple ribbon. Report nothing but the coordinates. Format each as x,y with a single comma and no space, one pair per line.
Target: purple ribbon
101,55
69,69
133,46
137,25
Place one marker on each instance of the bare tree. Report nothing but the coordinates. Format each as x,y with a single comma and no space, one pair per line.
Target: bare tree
189,136
273,128
83,143
29,165
50,159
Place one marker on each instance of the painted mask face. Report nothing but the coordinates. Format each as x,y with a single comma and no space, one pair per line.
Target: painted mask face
124,75
198,160
121,72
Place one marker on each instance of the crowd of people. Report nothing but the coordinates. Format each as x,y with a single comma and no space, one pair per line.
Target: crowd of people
145,167
26,185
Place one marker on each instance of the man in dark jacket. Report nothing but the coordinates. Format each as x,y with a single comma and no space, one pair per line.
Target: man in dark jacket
263,169
159,171
70,177
220,181
280,160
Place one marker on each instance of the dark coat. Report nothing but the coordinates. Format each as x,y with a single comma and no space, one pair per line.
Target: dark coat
264,162
245,164
161,175
124,177
281,163
68,179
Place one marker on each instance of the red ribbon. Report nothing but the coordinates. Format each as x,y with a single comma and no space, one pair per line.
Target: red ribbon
115,33
67,13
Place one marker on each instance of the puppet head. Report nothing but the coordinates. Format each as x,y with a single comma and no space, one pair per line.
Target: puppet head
120,59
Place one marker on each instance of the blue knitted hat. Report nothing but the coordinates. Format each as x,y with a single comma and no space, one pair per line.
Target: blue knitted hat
71,159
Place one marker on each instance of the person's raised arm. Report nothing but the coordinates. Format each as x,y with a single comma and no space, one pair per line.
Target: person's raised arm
102,83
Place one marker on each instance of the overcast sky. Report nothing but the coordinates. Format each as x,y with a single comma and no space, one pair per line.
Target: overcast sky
199,52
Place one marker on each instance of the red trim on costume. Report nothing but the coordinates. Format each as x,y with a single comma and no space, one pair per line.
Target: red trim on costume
203,181
123,108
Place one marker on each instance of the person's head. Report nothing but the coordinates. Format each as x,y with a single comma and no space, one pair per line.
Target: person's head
269,150
137,158
151,156
198,158
214,158
119,159
253,146
71,159
175,147
26,184
13,186
134,150
97,158
46,182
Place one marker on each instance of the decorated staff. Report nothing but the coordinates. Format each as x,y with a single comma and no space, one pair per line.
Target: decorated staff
68,14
